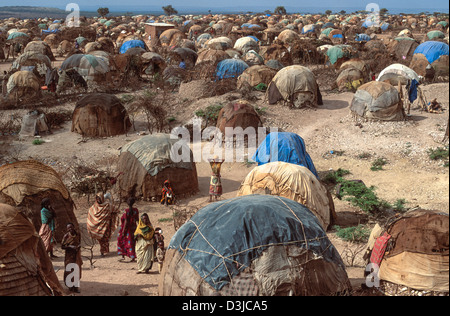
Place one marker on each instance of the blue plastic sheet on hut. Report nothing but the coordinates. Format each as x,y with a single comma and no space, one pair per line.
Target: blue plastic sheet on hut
362,38
230,68
223,238
432,50
284,146
130,44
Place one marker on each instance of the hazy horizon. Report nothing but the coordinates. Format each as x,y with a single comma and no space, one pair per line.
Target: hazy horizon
292,6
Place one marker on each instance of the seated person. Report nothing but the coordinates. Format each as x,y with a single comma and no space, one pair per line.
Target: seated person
167,194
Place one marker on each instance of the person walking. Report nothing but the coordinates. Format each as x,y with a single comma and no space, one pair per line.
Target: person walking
101,222
145,252
126,244
71,243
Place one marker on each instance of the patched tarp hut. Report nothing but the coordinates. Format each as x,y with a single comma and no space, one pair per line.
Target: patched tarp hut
100,115
23,84
294,182
147,162
377,100
25,267
24,184
412,251
431,53
286,252
256,75
296,84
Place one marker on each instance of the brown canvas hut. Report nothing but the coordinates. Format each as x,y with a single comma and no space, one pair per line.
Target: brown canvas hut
100,115
255,75
296,84
412,251
147,162
24,184
25,268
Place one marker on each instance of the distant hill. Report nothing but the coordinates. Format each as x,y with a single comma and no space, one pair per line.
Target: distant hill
30,12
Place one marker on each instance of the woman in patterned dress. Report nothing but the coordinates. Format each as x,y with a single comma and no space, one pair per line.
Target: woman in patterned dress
126,244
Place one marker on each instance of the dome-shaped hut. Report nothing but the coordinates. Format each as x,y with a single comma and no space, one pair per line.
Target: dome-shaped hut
273,245
378,100
24,184
147,162
294,182
100,115
412,253
25,267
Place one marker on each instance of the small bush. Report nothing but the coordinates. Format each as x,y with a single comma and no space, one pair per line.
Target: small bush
378,164
335,177
359,195
38,141
438,153
358,233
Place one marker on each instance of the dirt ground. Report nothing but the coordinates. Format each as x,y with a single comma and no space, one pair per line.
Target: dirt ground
409,174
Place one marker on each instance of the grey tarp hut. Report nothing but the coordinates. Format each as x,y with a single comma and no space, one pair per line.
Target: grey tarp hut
148,161
253,245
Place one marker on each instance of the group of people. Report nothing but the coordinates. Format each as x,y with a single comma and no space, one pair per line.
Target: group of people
137,239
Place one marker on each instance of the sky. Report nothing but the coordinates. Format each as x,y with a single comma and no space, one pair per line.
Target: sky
135,5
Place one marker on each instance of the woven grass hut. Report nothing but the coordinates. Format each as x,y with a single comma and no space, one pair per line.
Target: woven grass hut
238,114
412,251
294,182
100,115
286,252
24,184
25,268
147,162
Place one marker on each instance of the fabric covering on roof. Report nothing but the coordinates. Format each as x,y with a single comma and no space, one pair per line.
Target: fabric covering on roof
432,50
294,182
222,239
230,68
154,152
130,44
284,146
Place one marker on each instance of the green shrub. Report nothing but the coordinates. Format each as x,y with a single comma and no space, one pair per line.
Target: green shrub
438,153
38,141
359,195
358,233
335,177
378,164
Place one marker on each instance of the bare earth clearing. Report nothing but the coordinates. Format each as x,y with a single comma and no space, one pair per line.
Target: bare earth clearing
409,174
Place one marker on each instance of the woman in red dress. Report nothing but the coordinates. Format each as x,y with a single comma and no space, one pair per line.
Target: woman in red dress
126,244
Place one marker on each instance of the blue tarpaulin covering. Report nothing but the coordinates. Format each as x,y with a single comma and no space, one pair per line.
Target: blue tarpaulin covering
130,44
230,68
432,50
223,238
284,146
50,31
362,38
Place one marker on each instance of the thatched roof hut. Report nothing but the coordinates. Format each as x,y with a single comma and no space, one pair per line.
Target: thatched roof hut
25,268
24,184
100,115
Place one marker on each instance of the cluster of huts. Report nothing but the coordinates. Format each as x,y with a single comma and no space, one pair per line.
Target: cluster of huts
271,239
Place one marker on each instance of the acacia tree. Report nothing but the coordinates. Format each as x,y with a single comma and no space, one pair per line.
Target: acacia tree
280,10
103,12
169,10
